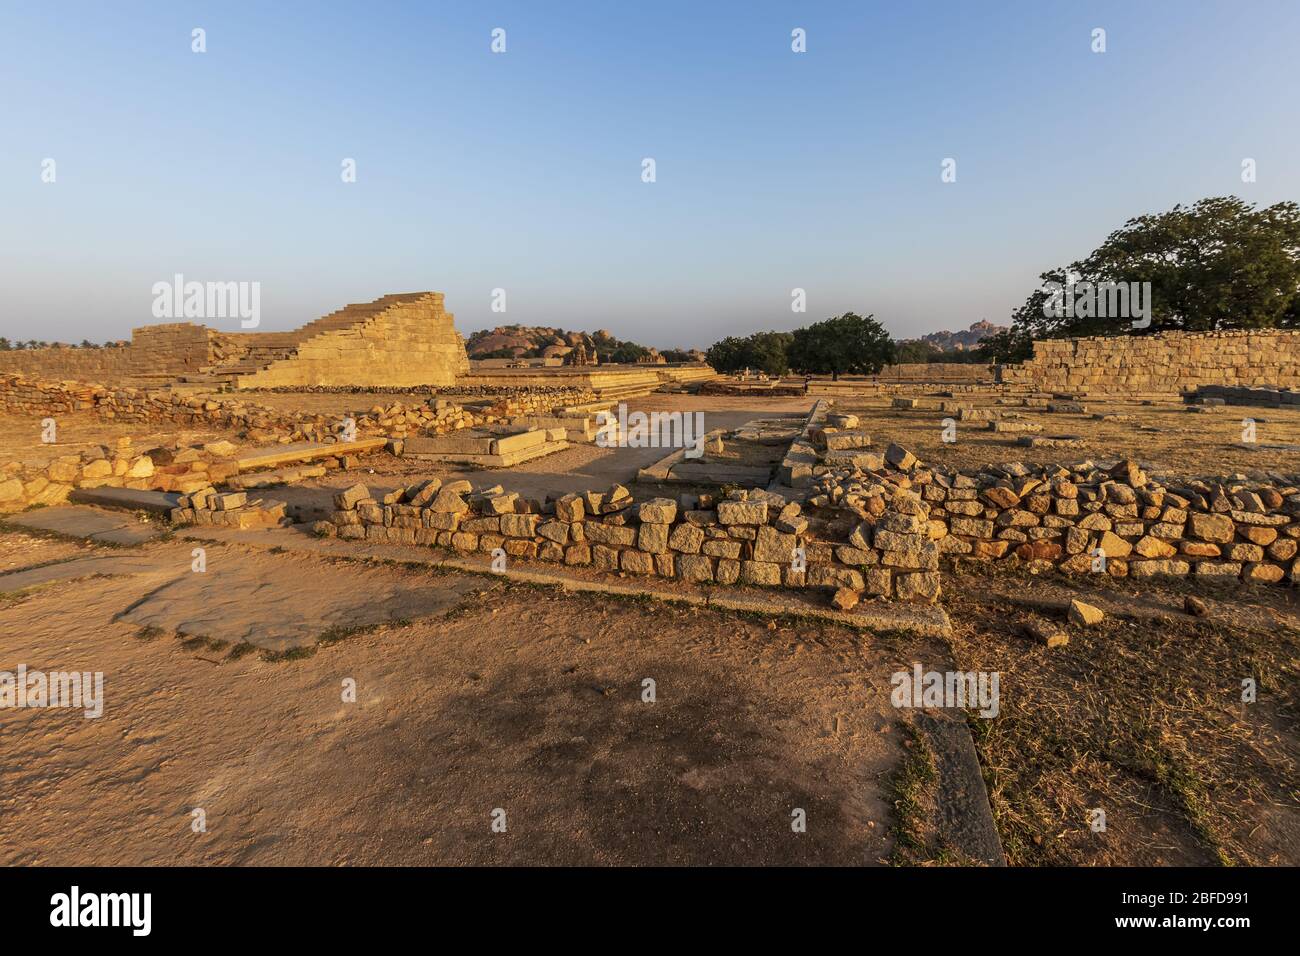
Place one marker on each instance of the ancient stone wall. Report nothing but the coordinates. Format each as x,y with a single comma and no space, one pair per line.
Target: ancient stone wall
746,538
40,400
63,363
1167,362
937,373
176,348
155,352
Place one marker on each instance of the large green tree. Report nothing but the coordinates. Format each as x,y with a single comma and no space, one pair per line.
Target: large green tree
849,343
1217,264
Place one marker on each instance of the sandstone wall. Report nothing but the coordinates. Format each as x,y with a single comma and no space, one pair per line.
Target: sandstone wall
83,364
937,373
156,351
176,348
1166,362
412,341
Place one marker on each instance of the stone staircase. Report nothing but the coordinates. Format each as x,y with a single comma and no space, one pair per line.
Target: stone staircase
265,350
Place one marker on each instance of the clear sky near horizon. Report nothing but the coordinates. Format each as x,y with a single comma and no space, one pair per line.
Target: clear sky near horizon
522,170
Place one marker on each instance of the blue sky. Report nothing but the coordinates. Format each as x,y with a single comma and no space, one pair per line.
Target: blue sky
522,170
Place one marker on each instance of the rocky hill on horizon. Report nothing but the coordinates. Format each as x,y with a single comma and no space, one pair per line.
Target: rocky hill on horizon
947,341
529,341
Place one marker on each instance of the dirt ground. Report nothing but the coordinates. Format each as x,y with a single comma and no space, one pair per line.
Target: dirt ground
510,698
1164,434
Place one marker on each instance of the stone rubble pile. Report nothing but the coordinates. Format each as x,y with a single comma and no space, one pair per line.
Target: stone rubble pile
178,467
232,509
259,423
1087,518
23,485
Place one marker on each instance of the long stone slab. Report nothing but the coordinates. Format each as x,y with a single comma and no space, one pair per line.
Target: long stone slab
447,445
509,444
492,461
577,428
718,473
660,470
796,469
128,499
305,451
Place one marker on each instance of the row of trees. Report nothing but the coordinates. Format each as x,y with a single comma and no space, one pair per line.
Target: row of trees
847,344
19,345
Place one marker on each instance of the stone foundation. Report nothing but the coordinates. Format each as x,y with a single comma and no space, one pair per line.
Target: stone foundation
747,538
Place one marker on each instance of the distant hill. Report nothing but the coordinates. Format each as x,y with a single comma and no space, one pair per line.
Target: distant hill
947,341
528,341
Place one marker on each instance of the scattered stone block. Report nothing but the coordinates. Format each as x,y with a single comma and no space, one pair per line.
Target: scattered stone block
1085,615
845,599
1047,633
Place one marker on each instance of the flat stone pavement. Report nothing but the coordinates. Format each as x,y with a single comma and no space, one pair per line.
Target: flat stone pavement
92,524
248,596
264,600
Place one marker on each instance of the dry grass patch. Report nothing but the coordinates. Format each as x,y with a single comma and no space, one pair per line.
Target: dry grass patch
1141,718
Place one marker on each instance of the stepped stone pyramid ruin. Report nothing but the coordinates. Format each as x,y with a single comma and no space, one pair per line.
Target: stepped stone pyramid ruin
404,339
398,340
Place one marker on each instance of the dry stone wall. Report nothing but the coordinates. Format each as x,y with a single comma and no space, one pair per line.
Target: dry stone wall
1085,519
1166,362
749,537
937,373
